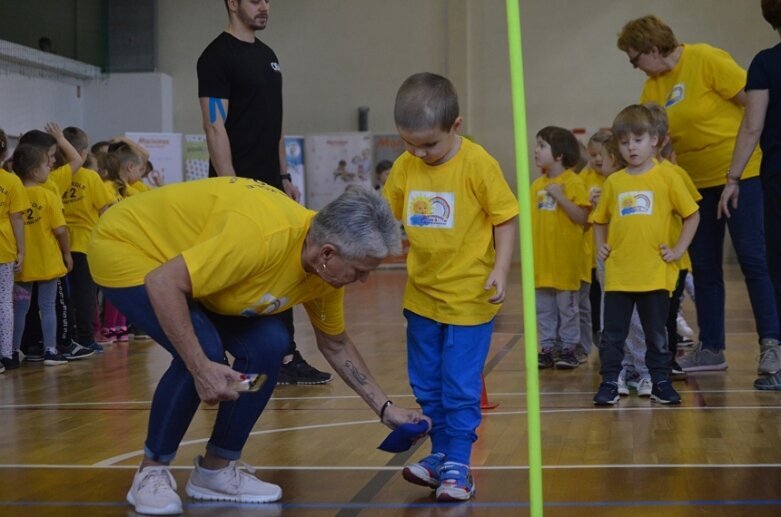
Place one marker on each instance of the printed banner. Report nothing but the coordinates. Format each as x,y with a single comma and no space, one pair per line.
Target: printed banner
165,153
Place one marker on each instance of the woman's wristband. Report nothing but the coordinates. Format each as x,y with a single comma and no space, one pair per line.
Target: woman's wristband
384,407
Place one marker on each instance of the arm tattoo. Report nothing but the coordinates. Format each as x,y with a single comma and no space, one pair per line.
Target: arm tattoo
359,377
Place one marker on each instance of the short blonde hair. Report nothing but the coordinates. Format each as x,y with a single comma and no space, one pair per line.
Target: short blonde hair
643,34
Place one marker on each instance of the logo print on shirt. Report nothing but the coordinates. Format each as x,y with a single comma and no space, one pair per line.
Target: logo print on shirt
275,66
268,304
677,94
430,209
545,201
636,203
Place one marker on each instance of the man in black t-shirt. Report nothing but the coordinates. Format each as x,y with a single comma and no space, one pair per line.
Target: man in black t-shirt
240,93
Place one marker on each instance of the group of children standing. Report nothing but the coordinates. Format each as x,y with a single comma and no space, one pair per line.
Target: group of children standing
47,213
626,221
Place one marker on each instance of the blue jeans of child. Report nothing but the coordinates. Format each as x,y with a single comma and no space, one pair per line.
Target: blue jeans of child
445,365
257,344
747,232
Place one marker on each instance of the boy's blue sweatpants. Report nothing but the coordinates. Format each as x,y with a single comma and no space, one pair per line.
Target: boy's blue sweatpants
445,365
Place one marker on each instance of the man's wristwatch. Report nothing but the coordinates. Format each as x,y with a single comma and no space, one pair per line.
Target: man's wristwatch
286,177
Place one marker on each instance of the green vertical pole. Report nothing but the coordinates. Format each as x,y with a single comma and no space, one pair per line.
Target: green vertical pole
527,257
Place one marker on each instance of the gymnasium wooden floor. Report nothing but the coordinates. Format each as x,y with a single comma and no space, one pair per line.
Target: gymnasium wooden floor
71,436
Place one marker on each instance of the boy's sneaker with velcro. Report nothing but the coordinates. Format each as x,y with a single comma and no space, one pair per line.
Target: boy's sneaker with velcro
75,352
53,359
230,484
664,393
154,492
545,360
426,471
607,394
567,361
455,482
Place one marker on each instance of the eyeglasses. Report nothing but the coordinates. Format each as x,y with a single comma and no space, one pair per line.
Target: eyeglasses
635,59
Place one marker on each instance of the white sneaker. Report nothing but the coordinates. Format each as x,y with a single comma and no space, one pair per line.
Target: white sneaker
623,389
230,484
644,387
154,492
684,330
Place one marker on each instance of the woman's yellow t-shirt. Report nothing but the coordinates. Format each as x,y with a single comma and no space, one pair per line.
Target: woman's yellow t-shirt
558,241
83,200
639,209
43,258
704,122
240,239
449,212
13,199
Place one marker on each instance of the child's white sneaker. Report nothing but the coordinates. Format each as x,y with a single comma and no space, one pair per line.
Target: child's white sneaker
154,492
623,388
644,387
230,484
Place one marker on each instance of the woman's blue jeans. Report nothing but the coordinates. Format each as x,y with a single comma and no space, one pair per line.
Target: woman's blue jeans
257,344
747,231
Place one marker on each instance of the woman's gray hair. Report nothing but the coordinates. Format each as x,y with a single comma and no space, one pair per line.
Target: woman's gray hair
359,223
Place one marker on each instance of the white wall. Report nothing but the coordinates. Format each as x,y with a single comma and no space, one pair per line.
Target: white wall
30,102
336,56
132,102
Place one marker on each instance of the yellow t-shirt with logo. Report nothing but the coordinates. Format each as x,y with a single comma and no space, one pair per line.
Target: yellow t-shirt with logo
704,123
59,180
558,242
594,181
13,199
449,211
240,239
685,262
638,210
42,258
82,201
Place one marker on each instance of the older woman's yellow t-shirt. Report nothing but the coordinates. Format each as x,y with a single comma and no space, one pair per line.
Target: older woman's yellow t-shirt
240,239
558,242
638,210
703,121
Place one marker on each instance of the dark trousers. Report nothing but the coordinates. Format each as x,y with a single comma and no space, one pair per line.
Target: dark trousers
287,319
83,297
595,297
771,192
672,315
652,307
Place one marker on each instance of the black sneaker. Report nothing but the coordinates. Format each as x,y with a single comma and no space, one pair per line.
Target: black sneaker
685,342
75,351
677,372
298,371
664,393
34,355
567,361
545,360
607,395
10,363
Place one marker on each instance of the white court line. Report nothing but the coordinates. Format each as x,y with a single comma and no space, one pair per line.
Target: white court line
350,397
606,411
396,468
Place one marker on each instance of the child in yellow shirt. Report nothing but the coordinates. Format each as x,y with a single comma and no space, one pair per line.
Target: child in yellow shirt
559,212
13,204
48,251
632,234
459,214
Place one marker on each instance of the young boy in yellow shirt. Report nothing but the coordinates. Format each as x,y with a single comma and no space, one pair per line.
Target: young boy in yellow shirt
459,214
560,209
632,232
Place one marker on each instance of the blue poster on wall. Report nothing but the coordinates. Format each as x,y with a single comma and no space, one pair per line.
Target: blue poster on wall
294,150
